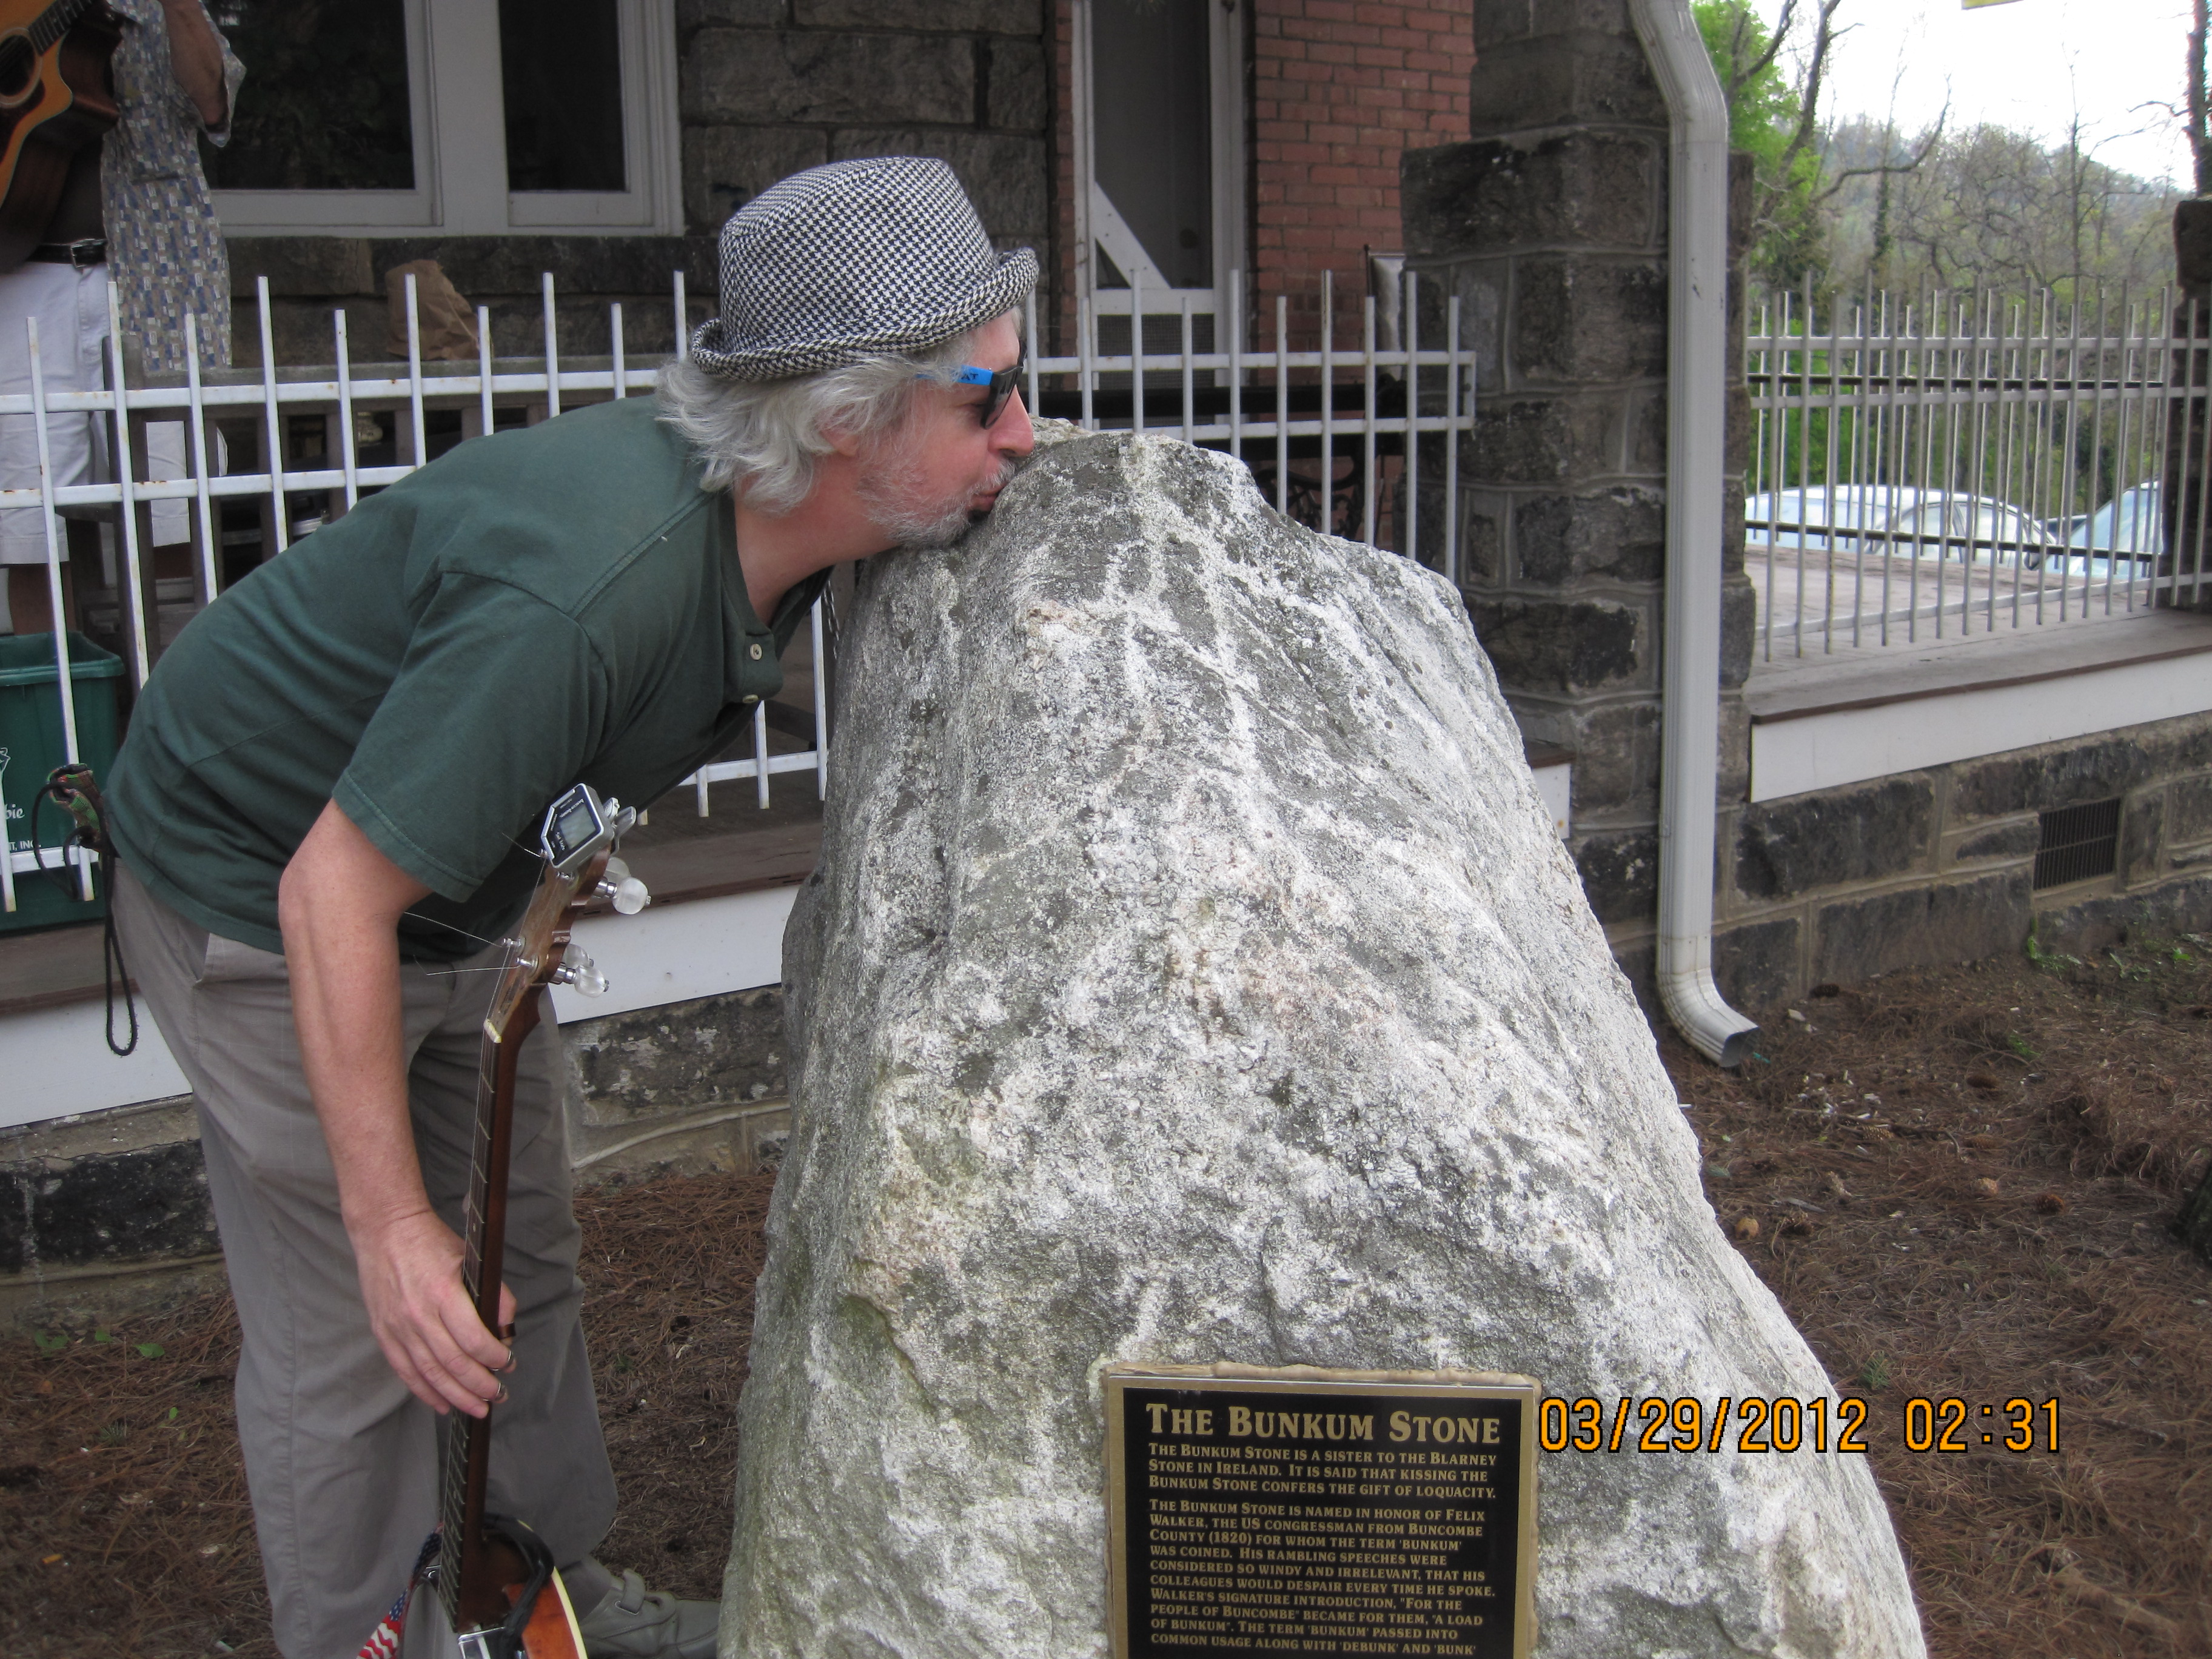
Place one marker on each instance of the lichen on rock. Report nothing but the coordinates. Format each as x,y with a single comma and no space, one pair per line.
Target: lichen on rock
1192,974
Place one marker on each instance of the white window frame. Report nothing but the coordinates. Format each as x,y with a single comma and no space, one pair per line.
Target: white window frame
1098,224
460,145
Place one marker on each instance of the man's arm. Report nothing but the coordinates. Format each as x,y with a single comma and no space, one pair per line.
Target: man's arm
196,59
339,904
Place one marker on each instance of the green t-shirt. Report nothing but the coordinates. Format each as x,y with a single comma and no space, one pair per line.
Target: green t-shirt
535,607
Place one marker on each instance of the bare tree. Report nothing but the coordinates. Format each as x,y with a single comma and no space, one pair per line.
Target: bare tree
2200,106
1990,206
1816,69
1780,121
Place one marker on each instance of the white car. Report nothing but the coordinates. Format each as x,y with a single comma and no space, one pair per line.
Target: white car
2132,524
1896,519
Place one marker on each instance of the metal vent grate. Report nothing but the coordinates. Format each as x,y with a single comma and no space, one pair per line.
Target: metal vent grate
2078,842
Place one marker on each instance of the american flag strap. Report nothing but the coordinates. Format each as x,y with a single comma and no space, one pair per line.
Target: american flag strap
384,1641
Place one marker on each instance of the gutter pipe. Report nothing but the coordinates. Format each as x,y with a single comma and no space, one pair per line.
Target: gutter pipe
1689,660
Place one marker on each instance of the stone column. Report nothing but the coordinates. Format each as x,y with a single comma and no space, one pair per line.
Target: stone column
1550,226
2185,499
2185,451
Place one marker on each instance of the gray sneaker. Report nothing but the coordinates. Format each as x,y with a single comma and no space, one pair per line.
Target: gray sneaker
632,1622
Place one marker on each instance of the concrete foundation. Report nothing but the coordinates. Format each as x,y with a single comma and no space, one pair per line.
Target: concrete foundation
109,1212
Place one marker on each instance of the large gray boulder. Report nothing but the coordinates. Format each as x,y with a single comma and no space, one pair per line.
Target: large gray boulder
1192,974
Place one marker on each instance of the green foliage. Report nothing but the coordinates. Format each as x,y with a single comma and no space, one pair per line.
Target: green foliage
1764,113
151,1351
2018,1044
1874,1377
2052,962
1764,106
48,1342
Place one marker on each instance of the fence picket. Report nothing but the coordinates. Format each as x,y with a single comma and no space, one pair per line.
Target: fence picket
270,393
1958,464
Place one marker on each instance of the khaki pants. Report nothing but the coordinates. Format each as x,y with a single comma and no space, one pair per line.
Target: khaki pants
341,1461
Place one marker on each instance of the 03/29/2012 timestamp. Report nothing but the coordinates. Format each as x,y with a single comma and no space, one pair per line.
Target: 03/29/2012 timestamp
1780,1423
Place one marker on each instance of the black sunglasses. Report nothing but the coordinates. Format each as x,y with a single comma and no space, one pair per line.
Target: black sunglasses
1000,382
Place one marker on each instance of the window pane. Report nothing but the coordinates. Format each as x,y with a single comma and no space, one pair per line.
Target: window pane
324,103
1152,127
560,71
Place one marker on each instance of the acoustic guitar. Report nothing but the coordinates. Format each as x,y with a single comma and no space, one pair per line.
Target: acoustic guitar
56,95
497,1582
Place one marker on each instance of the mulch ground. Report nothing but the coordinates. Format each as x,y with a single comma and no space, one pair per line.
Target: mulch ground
1958,1183
124,1528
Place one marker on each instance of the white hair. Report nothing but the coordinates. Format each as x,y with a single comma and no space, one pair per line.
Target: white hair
763,438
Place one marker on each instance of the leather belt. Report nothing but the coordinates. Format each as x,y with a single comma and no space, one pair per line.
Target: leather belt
92,250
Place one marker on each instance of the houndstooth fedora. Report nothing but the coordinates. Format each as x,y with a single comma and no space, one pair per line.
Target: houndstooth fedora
853,260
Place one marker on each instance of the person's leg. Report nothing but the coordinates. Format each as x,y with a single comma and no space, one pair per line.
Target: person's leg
54,295
31,601
165,459
340,1459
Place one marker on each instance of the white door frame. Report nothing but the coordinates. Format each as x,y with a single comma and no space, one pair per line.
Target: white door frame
1096,222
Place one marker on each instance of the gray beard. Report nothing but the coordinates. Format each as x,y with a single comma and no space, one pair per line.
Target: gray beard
888,497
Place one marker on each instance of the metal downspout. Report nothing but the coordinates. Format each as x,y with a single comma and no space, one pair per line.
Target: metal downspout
1689,660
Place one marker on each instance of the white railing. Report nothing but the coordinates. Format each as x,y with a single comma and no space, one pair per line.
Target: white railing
1968,466
1382,396
1267,407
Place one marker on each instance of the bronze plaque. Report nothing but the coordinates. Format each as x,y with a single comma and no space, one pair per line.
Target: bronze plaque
1305,1511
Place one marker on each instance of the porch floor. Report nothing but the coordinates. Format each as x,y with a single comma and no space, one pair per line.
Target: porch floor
1886,603
1789,687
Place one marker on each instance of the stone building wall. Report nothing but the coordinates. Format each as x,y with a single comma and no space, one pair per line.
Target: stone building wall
1935,867
110,1209
768,87
311,277
1550,226
1334,90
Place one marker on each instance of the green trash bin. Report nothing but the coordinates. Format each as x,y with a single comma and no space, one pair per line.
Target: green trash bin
31,746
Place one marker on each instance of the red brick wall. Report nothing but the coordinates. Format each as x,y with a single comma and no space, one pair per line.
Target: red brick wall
1337,91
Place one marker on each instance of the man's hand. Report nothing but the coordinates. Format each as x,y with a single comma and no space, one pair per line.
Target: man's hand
410,1278
339,904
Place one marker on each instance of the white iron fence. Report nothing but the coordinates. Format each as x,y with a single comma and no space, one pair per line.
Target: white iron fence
1333,435
1964,465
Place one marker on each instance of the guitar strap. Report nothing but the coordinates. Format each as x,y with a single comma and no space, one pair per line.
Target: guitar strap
384,1641
70,788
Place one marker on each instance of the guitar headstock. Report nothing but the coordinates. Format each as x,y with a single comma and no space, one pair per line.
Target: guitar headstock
577,842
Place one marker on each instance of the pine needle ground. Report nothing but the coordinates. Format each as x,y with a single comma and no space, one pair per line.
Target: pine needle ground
1961,1183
